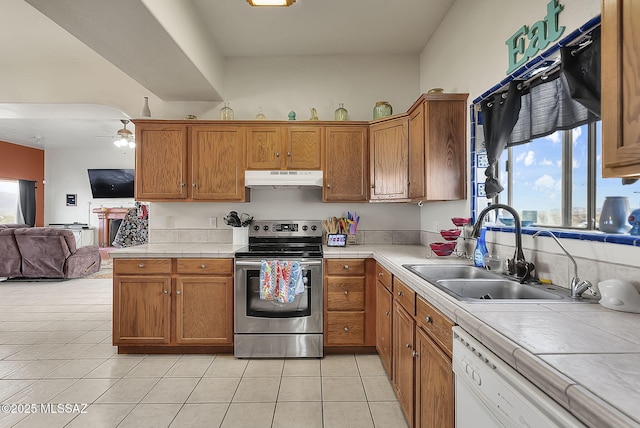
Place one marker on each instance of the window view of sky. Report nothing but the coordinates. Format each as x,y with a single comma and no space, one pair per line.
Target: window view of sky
8,201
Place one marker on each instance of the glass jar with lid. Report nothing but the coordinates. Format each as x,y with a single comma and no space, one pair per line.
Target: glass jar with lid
226,113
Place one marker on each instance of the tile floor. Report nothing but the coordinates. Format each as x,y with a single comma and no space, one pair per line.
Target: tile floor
55,348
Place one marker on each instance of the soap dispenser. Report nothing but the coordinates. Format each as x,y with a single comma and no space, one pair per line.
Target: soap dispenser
481,249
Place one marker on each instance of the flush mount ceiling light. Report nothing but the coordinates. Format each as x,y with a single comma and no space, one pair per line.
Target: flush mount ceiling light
125,138
271,2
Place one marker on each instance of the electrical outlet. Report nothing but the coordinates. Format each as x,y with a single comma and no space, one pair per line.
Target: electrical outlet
213,222
169,222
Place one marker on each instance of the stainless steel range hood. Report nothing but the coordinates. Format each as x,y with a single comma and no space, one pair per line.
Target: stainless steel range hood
283,179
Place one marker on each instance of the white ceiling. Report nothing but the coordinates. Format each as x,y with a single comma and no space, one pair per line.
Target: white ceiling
188,40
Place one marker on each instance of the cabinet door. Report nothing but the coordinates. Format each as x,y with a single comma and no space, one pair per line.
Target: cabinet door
304,147
141,310
434,385
204,310
161,162
345,171
216,164
389,160
264,147
403,360
446,147
620,89
416,154
384,307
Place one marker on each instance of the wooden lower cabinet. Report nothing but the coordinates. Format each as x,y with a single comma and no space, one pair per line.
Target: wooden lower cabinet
384,317
403,355
434,384
349,303
172,302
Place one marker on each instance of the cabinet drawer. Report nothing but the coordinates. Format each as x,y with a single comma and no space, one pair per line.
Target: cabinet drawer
384,276
341,267
436,324
345,294
405,296
141,266
205,266
345,328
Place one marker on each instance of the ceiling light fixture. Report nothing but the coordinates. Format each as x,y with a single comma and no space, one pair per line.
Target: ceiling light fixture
125,138
271,2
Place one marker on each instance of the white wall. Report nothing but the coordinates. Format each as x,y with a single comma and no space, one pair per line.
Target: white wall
65,171
468,54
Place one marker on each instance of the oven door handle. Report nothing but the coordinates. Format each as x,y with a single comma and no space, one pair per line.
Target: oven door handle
304,263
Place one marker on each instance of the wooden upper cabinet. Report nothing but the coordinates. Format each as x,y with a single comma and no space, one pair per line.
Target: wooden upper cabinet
389,160
417,175
304,147
161,162
291,147
345,170
445,127
620,89
216,163
264,147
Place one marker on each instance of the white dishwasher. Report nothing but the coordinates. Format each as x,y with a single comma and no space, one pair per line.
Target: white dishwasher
489,393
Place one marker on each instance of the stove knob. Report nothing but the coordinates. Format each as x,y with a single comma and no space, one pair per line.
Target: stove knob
265,228
305,227
314,228
256,227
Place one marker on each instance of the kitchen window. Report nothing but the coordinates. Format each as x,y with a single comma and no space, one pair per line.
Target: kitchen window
556,180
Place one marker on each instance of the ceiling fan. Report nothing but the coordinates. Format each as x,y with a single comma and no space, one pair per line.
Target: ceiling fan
124,137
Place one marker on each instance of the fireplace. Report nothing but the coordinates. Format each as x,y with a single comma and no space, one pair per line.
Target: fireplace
109,220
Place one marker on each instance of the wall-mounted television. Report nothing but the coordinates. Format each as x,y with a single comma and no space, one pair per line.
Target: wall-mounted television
111,183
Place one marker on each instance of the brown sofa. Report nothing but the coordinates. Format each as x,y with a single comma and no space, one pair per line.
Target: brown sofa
45,252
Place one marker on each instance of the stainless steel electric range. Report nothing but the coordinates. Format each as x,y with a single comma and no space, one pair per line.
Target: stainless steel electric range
268,328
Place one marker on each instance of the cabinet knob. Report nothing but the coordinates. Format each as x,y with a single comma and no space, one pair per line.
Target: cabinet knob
277,154
165,291
346,328
414,354
346,293
182,185
178,292
380,273
400,294
373,186
194,185
346,266
408,345
141,265
203,266
387,313
289,154
328,186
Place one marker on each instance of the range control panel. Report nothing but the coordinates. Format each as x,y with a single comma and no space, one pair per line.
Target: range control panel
278,228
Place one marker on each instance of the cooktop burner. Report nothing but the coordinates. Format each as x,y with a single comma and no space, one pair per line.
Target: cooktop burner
284,239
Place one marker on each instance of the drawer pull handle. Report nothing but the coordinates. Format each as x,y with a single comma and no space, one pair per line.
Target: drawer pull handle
203,266
380,273
346,328
346,266
408,345
346,293
141,265
400,294
387,313
428,319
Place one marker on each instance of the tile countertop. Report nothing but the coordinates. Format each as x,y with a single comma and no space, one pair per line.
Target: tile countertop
583,355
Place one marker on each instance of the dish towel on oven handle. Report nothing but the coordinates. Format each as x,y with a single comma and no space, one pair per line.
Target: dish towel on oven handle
280,280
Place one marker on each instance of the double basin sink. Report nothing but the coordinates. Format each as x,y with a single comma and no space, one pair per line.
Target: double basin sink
469,283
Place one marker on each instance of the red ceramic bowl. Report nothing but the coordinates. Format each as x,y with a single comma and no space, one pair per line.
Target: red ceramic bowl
443,248
461,221
451,234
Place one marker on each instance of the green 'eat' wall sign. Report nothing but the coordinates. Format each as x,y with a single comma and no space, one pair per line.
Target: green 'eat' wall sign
528,41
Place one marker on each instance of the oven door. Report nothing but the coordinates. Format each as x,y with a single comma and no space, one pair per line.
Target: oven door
253,315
